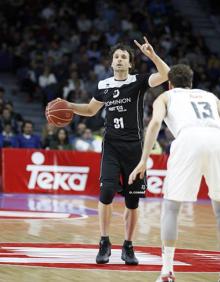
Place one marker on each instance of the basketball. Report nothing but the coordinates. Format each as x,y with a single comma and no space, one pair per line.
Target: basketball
58,113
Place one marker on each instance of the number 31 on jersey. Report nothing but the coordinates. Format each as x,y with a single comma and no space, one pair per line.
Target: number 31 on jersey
118,123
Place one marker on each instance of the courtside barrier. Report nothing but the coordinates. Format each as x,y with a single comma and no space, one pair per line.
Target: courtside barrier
68,172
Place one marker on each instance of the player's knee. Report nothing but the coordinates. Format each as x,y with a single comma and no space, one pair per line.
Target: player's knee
170,207
107,193
169,216
131,202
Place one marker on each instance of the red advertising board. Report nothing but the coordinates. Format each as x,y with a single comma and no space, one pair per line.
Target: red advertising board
68,172
42,171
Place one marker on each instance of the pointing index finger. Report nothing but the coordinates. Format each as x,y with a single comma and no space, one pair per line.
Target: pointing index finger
145,39
138,44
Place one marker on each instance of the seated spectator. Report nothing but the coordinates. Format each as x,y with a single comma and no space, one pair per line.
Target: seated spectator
16,116
73,83
93,52
48,12
48,135
83,63
47,78
83,23
87,142
78,130
91,84
27,139
7,137
8,118
61,140
98,137
48,84
29,79
2,93
112,36
55,52
1,106
103,69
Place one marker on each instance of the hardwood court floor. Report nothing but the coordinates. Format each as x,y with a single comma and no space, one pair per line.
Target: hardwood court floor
78,224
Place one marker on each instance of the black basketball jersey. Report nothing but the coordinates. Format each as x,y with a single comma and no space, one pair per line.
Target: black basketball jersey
124,106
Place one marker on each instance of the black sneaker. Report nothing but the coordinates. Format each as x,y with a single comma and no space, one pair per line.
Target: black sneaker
128,255
104,252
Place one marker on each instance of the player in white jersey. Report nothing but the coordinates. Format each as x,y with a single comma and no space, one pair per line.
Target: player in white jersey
193,116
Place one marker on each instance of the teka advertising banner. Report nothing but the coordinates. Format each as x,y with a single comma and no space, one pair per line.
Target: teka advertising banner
69,172
57,172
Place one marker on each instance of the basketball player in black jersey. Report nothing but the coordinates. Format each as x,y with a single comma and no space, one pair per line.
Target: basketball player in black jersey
122,96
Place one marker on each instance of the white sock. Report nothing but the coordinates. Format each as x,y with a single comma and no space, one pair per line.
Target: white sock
167,257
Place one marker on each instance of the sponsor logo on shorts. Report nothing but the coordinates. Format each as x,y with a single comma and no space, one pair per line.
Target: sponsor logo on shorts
143,187
136,192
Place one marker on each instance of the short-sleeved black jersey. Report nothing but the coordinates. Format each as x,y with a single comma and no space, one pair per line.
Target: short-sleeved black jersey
124,106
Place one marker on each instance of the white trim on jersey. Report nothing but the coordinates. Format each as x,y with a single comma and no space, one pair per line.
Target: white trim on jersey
103,151
112,83
138,122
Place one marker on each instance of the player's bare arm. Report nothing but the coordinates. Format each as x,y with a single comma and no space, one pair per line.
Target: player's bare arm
218,104
162,75
159,113
87,110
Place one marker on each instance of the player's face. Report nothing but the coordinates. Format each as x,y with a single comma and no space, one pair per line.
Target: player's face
121,60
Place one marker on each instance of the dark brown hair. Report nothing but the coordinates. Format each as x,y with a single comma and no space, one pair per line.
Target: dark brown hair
181,76
123,47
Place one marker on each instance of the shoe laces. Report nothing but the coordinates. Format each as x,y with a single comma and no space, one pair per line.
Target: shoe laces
103,247
129,250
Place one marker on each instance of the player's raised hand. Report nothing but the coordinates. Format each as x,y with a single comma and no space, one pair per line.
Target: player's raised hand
146,48
139,170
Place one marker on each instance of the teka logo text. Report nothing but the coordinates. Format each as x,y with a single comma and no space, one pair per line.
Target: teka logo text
54,177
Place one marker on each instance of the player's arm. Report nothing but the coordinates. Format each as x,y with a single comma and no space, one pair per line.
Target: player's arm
159,113
162,75
218,104
88,110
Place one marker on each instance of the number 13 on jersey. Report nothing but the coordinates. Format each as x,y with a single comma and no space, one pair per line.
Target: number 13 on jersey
118,123
202,110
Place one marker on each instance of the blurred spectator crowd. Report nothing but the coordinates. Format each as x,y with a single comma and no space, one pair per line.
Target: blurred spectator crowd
61,49
16,132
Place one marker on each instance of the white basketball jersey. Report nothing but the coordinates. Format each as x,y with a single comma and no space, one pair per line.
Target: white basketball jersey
191,108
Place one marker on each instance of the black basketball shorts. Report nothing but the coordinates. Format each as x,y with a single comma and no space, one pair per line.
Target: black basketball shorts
119,158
